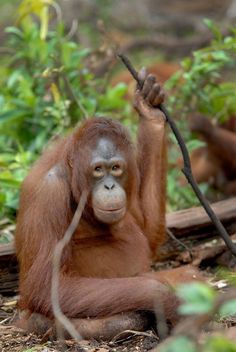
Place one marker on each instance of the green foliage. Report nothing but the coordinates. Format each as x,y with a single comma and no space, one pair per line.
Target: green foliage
212,344
198,298
199,87
219,344
225,274
180,343
181,197
39,8
228,308
45,90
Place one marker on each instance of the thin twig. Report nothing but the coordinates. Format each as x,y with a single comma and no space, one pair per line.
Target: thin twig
172,236
57,10
5,321
187,171
118,337
59,316
69,89
73,29
72,95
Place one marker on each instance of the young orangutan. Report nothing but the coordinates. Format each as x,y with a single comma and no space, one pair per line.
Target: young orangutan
105,270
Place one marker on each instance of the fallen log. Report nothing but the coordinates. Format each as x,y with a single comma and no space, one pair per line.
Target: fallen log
191,226
184,221
8,269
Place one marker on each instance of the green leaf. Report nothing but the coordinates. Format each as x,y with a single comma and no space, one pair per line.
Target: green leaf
7,179
219,344
6,158
213,27
117,92
2,198
179,344
228,308
11,183
198,297
44,17
6,238
221,55
12,116
113,99
194,144
14,30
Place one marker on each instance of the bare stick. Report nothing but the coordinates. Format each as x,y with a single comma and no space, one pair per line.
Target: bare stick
172,236
187,171
59,316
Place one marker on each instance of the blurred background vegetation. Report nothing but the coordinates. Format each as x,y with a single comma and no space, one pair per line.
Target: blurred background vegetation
58,67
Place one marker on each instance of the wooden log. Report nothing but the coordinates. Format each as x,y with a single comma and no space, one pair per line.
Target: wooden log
8,269
194,229
9,280
191,226
181,222
184,221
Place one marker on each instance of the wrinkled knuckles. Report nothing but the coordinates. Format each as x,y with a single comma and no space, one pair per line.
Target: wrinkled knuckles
154,96
151,78
152,91
148,85
159,98
157,88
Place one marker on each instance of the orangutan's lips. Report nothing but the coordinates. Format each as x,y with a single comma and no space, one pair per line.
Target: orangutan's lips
110,210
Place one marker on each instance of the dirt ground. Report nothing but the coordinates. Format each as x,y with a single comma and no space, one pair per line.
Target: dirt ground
13,339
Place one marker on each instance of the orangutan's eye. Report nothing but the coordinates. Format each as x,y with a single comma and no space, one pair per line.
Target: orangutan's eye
98,171
116,170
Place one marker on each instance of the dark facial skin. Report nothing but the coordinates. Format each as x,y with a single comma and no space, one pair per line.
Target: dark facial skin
108,170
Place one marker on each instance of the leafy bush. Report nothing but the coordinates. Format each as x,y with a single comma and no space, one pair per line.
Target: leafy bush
45,90
198,299
200,87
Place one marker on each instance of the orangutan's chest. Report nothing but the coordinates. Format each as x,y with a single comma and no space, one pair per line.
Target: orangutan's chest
106,257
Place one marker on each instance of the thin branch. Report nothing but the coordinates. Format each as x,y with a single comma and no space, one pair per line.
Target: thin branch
172,236
57,10
69,89
187,171
73,29
59,316
118,338
72,94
